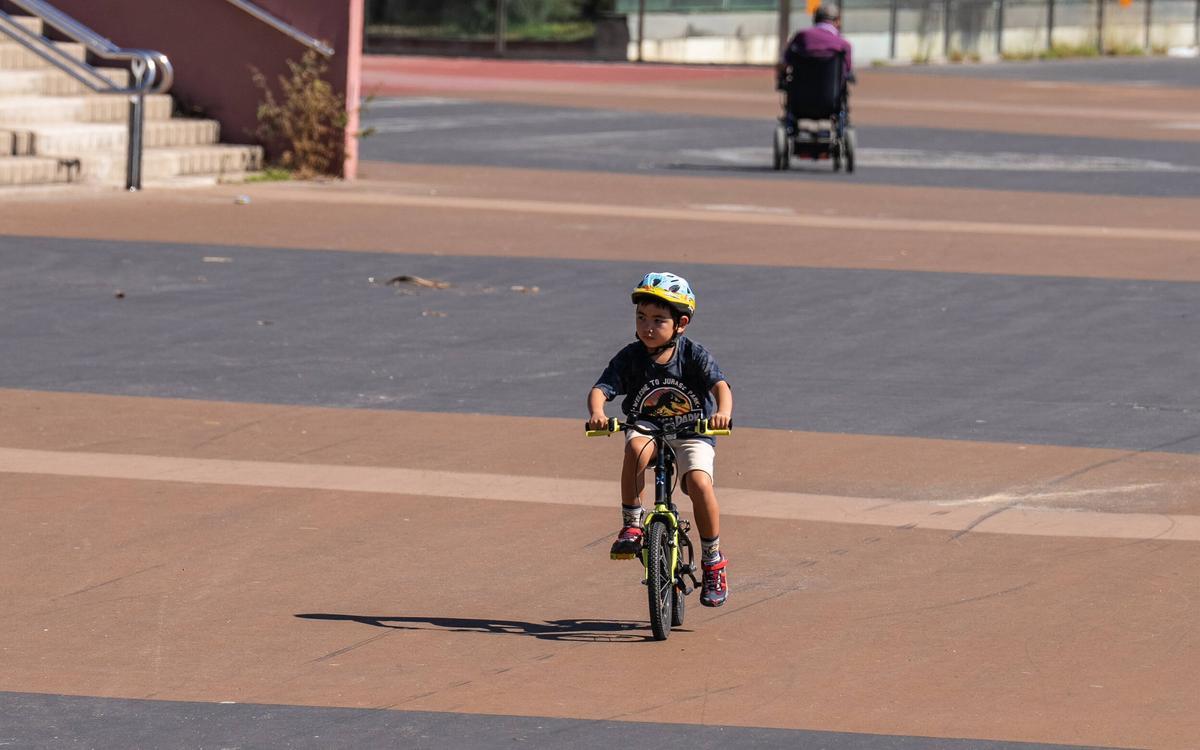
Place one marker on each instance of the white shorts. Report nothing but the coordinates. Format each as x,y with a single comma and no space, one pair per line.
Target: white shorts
691,454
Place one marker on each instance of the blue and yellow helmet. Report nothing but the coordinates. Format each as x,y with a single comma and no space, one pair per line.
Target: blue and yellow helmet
672,289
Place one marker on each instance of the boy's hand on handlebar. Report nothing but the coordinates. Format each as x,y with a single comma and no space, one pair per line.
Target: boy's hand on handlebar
719,421
597,422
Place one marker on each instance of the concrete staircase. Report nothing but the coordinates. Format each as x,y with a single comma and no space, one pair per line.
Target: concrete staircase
54,129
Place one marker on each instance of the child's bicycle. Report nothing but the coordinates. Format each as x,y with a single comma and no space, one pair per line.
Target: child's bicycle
667,552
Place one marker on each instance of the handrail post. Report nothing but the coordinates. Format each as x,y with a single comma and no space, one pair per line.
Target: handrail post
144,72
133,165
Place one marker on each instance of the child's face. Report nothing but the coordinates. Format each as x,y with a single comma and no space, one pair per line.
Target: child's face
654,324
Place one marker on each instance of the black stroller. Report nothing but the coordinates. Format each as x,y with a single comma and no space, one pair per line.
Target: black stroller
813,124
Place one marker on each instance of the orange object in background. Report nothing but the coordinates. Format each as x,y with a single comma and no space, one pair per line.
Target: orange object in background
814,4
1126,3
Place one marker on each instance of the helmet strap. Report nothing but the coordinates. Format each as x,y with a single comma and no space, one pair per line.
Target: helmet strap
660,349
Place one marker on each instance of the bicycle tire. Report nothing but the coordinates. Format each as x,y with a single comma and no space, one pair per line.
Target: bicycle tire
660,579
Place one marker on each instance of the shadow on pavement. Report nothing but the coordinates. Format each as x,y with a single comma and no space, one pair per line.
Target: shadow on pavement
553,630
686,167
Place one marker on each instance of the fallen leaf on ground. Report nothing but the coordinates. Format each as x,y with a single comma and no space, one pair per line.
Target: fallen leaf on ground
417,281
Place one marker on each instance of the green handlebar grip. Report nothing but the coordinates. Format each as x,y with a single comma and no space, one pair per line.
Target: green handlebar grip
703,429
614,425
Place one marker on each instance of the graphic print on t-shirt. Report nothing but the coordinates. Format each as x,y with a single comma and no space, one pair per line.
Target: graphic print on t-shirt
667,401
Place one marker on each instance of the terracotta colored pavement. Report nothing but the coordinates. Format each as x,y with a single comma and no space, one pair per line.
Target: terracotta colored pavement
880,97
224,589
418,209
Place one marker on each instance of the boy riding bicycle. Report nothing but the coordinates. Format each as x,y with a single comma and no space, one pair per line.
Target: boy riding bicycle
667,378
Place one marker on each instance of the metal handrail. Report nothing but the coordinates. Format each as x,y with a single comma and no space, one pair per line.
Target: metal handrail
284,27
152,71
154,63
53,55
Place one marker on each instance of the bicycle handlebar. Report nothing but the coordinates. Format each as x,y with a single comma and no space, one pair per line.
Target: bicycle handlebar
615,425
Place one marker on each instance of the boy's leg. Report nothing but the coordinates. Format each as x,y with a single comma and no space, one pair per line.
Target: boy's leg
699,487
639,451
714,587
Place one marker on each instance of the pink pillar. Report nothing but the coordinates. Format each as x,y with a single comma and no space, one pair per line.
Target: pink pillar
354,49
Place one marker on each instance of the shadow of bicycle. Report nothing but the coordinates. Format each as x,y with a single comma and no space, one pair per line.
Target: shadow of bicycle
595,631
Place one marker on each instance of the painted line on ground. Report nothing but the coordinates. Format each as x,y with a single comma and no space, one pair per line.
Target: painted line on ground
1027,110
993,161
740,216
1007,517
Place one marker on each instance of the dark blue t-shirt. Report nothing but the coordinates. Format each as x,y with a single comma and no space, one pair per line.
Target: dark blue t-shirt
679,391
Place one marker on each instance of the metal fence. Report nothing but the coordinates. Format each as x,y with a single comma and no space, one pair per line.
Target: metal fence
749,31
687,6
932,29
544,20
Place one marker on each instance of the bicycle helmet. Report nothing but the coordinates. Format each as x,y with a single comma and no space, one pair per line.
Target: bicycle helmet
669,288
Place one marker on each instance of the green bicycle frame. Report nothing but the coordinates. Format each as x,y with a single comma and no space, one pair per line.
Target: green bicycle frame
664,507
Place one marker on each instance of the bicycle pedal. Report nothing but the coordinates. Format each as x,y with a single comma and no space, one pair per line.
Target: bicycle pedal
645,582
622,555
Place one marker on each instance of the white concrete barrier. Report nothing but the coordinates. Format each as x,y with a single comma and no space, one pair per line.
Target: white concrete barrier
918,31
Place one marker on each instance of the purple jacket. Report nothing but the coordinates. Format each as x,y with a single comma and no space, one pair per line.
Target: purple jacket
822,40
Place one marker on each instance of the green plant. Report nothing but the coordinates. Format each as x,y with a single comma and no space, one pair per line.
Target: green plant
1059,51
306,126
1125,49
270,174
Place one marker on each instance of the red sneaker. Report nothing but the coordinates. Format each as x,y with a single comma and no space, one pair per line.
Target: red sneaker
628,544
714,589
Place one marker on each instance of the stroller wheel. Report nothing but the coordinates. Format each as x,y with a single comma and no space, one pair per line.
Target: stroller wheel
782,147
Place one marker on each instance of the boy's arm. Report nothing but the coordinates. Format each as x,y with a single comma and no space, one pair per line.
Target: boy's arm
596,416
724,414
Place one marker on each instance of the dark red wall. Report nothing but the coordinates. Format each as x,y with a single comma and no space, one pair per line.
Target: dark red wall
213,45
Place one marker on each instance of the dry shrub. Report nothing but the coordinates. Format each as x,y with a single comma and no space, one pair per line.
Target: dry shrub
306,126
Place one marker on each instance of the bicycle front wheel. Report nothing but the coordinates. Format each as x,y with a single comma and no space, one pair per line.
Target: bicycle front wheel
660,578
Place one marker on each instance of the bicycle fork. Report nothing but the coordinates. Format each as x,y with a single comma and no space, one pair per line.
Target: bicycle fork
683,554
